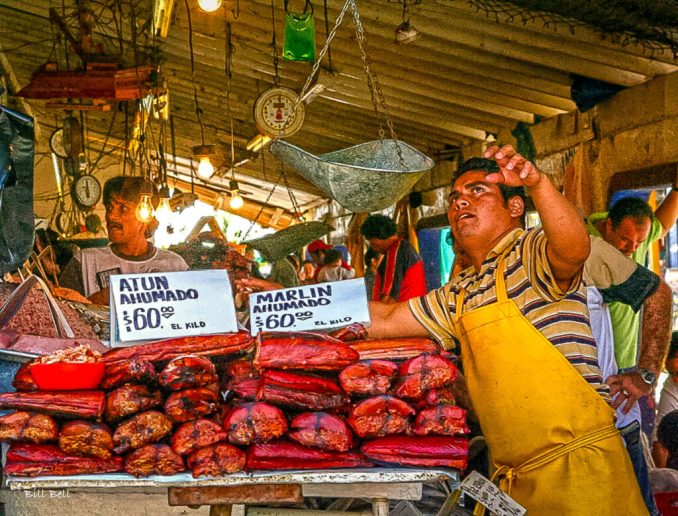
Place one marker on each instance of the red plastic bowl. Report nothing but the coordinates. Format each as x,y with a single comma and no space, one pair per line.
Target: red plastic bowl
67,376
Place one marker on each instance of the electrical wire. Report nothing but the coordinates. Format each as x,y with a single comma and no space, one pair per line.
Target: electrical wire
198,110
274,44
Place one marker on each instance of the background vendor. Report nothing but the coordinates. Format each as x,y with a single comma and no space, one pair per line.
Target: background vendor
129,250
400,275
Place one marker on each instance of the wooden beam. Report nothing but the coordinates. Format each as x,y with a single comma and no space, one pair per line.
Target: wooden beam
217,495
250,209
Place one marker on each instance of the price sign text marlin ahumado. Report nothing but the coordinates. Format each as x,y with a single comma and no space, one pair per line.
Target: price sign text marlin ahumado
311,307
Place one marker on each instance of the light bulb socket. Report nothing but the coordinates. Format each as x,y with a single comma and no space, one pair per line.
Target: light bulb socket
233,185
164,192
406,33
147,189
201,151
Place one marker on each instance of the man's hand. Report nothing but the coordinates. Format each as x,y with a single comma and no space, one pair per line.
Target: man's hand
514,169
626,389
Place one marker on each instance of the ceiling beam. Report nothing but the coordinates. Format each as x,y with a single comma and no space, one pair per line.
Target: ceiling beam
581,35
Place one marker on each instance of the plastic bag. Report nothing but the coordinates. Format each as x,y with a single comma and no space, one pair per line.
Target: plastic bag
16,188
299,34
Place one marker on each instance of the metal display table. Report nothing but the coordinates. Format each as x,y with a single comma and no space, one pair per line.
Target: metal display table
243,494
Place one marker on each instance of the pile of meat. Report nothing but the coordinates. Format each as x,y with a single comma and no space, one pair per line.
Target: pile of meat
302,401
207,252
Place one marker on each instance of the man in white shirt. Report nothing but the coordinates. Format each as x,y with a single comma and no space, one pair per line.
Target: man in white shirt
129,250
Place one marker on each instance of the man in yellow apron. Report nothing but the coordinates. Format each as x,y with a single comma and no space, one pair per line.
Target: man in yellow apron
529,359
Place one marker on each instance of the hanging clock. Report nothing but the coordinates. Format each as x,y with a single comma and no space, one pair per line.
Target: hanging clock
56,143
274,108
86,191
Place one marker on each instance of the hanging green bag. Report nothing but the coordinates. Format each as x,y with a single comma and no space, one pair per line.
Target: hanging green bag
299,34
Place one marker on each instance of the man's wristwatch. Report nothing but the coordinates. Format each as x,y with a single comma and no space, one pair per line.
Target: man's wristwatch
648,376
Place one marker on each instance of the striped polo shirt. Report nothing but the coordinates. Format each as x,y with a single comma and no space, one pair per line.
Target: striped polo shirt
562,317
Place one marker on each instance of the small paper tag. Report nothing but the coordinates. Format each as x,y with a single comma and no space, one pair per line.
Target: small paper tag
484,491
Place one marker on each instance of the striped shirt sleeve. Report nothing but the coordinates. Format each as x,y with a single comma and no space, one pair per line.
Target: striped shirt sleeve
436,314
542,279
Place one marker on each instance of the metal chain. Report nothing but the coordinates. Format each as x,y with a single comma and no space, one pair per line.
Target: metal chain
373,83
265,203
295,204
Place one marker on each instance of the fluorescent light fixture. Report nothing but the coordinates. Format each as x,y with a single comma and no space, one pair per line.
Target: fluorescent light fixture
313,93
258,142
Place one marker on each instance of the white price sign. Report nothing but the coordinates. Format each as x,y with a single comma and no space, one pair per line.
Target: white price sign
162,305
484,491
311,307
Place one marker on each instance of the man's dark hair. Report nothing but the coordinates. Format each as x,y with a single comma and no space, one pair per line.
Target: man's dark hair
370,255
489,166
673,348
331,256
667,432
632,207
378,226
128,188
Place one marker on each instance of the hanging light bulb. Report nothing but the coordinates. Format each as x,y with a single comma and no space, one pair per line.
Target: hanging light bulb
236,201
164,211
209,6
205,167
144,210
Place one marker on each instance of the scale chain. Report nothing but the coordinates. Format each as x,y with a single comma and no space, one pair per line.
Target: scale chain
372,77
261,210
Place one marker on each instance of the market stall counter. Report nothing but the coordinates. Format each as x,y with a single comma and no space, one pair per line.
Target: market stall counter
235,419
243,492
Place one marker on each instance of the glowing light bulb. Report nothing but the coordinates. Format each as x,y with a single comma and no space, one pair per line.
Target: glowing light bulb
144,211
164,211
209,6
205,168
236,201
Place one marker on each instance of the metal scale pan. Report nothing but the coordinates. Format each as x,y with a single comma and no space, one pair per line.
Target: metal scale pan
364,178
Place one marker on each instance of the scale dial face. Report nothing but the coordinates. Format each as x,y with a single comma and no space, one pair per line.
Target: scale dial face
86,190
272,110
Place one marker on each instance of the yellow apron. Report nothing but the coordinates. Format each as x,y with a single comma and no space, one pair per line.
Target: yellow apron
552,440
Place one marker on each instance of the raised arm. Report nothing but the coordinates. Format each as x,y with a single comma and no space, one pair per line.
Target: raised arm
568,243
667,212
391,320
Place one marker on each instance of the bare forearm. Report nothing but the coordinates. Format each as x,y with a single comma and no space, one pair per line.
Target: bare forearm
667,212
393,320
656,328
568,241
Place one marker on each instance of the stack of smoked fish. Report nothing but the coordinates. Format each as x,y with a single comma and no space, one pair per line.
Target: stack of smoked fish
302,401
